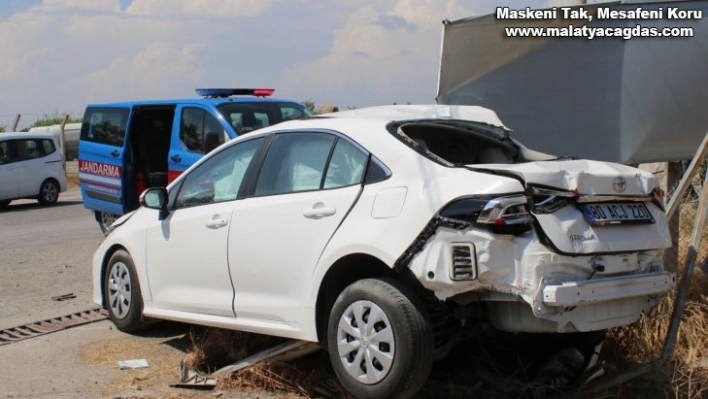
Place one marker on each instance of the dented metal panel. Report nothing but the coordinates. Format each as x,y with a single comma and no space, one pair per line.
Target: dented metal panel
576,293
587,177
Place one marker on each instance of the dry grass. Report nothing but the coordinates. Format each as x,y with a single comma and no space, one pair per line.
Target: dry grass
296,379
306,377
213,348
72,181
687,372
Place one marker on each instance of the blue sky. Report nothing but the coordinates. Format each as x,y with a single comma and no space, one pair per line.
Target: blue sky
59,55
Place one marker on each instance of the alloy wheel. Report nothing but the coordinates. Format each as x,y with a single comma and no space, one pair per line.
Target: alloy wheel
50,192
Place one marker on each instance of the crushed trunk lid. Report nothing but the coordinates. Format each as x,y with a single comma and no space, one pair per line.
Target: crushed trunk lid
586,207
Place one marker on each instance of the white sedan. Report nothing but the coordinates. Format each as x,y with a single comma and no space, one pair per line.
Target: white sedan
386,234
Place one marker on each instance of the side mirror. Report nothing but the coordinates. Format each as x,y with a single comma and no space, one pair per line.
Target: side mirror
156,198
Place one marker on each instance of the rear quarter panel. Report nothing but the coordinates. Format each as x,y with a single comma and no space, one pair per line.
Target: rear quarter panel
429,187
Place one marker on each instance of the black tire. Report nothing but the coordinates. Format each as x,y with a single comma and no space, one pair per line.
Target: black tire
105,220
48,192
4,203
120,281
410,346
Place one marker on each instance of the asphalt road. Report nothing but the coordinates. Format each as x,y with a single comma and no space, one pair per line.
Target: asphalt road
45,252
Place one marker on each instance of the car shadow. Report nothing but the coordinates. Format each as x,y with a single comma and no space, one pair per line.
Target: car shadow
35,205
177,334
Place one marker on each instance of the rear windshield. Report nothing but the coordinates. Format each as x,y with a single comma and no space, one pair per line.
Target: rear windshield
249,116
457,143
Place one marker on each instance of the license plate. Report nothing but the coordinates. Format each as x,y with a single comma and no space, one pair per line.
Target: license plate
616,213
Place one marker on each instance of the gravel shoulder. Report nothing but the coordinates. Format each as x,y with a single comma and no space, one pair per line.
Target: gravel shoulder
45,252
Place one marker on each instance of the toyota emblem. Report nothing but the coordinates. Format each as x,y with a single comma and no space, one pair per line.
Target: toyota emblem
620,184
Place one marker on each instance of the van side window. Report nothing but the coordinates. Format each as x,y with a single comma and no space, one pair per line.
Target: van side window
48,147
29,149
289,113
200,131
4,152
105,125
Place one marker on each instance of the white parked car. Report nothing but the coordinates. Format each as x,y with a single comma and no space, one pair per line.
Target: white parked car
31,166
385,234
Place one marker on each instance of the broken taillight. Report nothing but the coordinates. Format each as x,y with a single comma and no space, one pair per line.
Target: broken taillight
547,201
499,215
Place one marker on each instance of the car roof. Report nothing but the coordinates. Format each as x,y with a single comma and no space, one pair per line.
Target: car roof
26,135
196,100
365,125
384,115
391,113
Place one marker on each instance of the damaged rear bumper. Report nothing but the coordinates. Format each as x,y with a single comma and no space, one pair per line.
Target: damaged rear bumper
576,293
526,287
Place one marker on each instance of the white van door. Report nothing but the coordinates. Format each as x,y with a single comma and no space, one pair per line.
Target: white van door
31,166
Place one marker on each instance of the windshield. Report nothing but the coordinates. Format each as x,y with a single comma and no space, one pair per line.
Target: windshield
249,116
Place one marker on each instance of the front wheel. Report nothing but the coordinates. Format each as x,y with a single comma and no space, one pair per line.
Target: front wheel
380,339
105,220
121,290
48,192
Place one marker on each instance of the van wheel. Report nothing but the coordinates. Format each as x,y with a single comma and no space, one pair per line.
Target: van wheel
380,339
105,220
4,203
48,192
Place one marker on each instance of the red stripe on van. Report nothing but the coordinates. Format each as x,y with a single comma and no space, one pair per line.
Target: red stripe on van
172,175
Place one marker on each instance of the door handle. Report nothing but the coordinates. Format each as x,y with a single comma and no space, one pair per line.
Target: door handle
115,153
216,223
177,158
317,212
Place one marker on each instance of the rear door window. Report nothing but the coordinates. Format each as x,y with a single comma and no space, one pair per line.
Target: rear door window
346,166
105,125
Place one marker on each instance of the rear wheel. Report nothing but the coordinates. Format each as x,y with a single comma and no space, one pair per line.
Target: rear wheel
122,293
380,340
105,220
48,192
